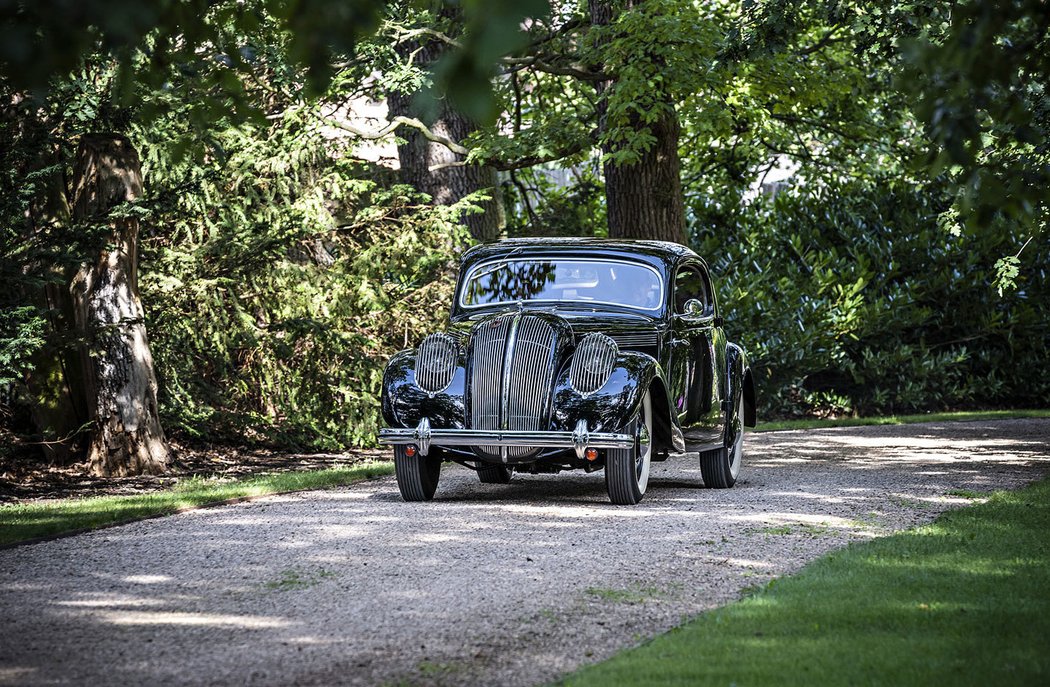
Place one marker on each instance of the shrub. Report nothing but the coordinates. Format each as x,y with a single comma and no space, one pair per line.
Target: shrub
851,298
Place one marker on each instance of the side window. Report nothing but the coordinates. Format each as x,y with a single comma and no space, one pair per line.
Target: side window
689,284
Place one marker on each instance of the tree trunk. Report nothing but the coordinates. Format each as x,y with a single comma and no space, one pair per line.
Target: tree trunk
644,200
423,163
121,385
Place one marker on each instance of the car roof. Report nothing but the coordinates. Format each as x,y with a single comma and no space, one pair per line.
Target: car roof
663,252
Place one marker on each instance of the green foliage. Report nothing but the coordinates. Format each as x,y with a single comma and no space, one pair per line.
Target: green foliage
280,279
277,271
22,331
546,206
47,39
978,75
962,602
849,301
29,256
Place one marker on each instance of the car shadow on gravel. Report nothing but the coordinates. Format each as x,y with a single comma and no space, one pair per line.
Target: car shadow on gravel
459,485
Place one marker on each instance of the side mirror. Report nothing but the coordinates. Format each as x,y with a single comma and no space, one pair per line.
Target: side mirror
693,308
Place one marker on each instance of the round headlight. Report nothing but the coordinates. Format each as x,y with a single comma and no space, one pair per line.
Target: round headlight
436,360
592,363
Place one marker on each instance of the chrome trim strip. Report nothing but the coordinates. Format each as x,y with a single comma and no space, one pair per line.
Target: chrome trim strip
482,437
505,369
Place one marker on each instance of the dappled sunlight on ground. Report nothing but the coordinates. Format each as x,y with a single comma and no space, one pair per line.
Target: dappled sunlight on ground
245,622
356,586
799,518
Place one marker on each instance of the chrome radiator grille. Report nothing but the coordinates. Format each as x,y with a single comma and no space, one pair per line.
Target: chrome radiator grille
529,382
489,349
511,375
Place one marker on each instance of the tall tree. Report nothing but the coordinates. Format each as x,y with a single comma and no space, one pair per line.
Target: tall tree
121,383
643,189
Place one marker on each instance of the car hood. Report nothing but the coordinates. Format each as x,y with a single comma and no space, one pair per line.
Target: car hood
628,328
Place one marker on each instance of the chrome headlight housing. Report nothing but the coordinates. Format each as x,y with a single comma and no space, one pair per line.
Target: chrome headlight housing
592,363
436,360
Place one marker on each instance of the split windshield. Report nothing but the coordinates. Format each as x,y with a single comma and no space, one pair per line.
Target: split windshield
591,282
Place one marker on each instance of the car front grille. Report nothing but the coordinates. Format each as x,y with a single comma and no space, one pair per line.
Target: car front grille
639,340
436,362
512,372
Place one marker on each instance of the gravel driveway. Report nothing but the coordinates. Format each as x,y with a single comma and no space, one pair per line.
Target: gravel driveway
489,584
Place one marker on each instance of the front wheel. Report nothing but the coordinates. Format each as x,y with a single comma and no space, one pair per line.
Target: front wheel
627,469
417,475
721,467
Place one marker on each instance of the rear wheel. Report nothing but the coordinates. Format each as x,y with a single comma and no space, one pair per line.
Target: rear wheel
494,474
417,476
627,469
721,467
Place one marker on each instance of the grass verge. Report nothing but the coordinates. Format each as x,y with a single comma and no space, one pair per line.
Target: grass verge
958,416
35,520
963,601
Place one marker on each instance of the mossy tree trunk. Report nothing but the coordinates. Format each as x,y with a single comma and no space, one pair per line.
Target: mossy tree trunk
127,437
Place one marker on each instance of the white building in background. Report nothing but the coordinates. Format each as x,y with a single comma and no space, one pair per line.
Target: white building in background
773,178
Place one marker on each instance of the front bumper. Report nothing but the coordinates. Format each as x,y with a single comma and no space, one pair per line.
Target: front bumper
580,439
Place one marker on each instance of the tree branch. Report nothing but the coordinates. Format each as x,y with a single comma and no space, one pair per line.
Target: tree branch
394,124
580,145
827,40
528,205
538,63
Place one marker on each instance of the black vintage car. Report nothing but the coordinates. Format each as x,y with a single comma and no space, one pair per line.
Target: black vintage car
572,354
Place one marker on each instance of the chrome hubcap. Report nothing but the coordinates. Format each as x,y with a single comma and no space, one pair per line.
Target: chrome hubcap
736,453
645,443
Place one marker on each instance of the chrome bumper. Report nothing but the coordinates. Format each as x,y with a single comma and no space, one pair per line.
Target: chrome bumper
579,439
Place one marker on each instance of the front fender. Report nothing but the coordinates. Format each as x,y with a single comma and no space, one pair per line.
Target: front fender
404,402
741,385
618,401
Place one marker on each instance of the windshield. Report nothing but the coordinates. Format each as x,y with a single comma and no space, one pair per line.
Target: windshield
611,282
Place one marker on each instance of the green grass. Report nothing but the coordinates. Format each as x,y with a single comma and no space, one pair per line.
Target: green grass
967,494
31,520
623,595
960,416
964,601
297,578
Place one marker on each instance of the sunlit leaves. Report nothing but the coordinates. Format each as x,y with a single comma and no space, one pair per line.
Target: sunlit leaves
1006,270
